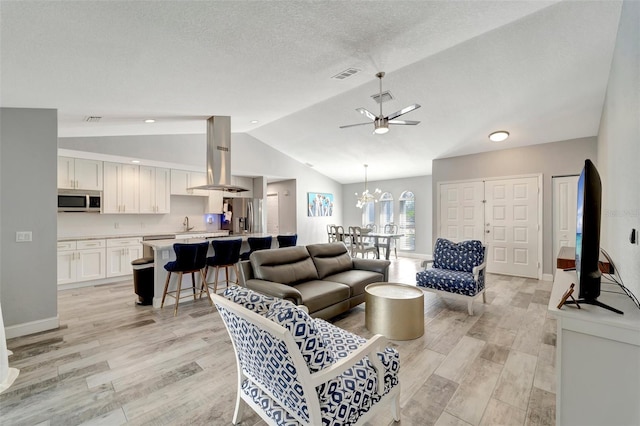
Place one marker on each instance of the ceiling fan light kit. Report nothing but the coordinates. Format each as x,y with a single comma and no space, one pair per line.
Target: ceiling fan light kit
367,196
381,123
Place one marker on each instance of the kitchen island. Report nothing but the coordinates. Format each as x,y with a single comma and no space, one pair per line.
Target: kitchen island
163,252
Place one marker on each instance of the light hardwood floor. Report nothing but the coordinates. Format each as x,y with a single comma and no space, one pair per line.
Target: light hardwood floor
112,362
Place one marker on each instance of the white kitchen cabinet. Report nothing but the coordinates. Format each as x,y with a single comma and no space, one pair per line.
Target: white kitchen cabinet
154,189
121,188
82,260
215,202
79,173
120,253
181,180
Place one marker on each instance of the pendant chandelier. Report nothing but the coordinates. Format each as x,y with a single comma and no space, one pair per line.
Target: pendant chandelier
367,196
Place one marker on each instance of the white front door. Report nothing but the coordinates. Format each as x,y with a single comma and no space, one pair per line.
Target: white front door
565,200
462,211
512,225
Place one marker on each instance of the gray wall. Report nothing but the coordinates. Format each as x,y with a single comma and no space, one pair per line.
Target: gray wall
550,159
286,191
419,185
28,168
249,157
619,150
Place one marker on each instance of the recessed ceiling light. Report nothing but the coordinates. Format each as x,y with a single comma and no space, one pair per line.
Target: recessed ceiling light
150,120
499,136
254,121
135,161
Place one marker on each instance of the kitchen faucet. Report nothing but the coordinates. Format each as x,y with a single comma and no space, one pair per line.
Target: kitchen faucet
186,224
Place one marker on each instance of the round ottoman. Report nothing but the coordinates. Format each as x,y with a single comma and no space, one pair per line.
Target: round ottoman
394,310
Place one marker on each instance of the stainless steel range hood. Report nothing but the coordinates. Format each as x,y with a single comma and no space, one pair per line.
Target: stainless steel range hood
219,156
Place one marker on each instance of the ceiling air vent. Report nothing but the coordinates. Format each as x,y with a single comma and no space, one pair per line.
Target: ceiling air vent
385,96
92,119
346,73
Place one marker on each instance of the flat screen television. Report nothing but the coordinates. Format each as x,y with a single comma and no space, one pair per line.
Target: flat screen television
588,236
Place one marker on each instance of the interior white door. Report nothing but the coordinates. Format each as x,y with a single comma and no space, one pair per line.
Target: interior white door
565,199
512,225
462,211
273,216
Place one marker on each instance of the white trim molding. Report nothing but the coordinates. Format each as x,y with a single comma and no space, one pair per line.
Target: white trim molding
32,327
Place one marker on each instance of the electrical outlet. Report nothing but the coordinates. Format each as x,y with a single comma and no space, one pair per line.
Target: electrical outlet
24,236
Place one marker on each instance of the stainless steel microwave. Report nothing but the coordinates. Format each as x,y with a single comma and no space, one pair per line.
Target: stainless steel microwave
80,201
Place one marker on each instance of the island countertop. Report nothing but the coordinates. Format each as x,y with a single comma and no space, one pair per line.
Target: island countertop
168,243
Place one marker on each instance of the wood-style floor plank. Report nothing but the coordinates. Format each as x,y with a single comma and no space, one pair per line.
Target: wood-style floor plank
112,362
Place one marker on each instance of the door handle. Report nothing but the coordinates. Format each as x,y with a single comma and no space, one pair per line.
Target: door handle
487,231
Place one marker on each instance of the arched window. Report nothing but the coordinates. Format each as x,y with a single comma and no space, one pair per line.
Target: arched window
368,213
407,225
386,209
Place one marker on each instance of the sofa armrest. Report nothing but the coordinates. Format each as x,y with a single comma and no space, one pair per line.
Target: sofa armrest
373,265
270,288
246,272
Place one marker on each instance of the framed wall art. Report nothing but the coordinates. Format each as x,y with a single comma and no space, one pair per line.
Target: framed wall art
319,204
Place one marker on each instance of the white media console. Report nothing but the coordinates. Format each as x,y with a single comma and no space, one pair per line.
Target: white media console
597,358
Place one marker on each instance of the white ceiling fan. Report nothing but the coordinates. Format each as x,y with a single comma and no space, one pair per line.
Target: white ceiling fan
381,123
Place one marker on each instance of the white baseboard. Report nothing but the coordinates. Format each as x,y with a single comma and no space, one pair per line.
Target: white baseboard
31,327
412,255
547,277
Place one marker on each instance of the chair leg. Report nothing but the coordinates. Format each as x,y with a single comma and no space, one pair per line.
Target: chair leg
166,287
178,291
470,306
484,298
237,414
235,268
215,281
226,274
205,286
193,284
395,408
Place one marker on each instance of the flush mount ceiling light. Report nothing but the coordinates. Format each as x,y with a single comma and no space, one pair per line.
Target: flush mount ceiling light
499,136
149,120
254,122
366,196
135,161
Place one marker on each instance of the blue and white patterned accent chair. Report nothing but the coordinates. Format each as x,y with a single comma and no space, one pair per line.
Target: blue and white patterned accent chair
458,270
298,370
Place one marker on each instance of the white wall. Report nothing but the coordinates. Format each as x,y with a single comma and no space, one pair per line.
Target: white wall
249,157
28,168
550,159
287,202
619,150
420,186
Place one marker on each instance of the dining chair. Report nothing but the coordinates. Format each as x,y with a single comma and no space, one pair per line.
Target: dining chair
226,254
358,243
341,236
389,228
332,237
190,258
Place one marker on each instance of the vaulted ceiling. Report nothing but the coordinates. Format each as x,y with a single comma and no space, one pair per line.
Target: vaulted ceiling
538,69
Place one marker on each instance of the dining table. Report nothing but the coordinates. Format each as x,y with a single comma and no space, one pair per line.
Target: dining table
382,239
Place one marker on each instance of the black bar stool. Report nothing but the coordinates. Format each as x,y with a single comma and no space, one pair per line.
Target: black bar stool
226,253
287,240
255,244
190,258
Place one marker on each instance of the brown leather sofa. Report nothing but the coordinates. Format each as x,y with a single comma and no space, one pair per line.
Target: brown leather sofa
322,277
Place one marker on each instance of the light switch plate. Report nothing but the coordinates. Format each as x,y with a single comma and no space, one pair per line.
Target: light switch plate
24,236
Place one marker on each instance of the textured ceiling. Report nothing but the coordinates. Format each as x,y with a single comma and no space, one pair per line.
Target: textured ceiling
538,69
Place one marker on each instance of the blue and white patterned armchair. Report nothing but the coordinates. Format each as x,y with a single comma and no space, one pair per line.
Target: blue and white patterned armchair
458,270
298,370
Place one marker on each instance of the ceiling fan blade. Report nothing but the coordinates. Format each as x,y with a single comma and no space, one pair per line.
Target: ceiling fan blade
402,111
367,113
405,122
353,125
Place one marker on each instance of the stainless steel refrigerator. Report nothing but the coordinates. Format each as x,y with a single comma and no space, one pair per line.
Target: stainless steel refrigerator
246,215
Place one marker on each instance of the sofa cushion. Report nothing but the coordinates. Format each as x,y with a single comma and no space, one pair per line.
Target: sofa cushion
289,265
462,256
252,300
304,332
356,279
330,258
318,295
